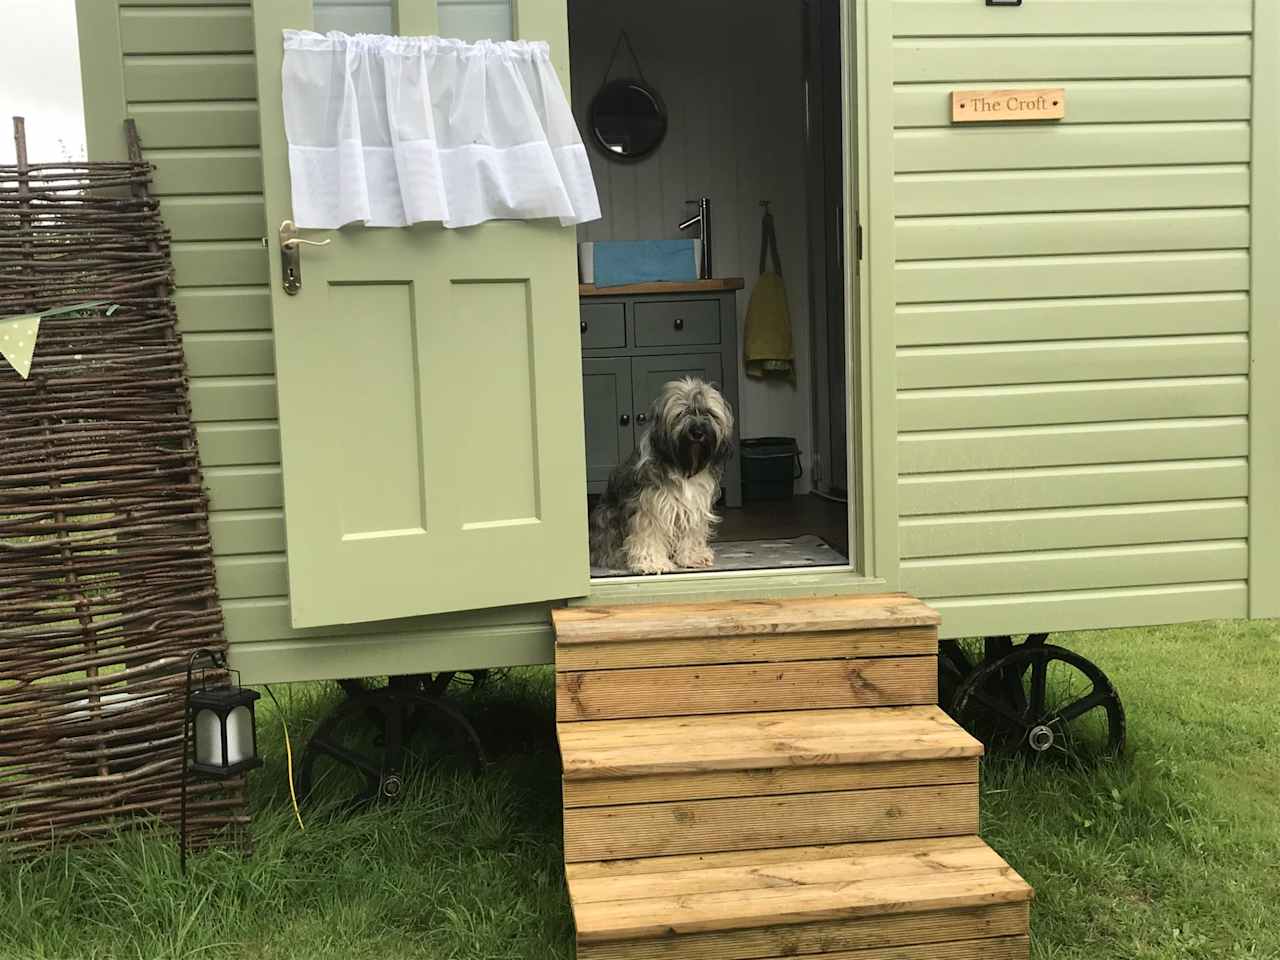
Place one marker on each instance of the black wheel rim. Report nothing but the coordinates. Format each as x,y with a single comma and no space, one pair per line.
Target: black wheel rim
359,752
1044,702
954,667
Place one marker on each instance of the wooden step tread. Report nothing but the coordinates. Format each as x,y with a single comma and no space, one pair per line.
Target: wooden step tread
670,897
606,749
738,618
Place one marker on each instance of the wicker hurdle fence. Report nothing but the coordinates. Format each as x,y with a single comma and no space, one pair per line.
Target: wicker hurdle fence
106,565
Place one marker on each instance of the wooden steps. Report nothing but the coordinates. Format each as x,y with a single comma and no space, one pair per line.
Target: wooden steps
769,779
831,890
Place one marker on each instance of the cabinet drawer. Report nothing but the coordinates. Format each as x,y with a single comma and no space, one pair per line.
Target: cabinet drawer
665,323
602,325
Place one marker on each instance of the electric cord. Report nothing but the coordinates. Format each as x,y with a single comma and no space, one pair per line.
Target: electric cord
288,752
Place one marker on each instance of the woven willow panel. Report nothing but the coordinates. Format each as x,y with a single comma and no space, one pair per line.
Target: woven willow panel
106,567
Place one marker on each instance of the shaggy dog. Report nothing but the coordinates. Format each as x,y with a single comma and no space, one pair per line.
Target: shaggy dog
656,513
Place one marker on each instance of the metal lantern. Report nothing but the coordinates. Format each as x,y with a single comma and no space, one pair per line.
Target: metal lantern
225,731
221,725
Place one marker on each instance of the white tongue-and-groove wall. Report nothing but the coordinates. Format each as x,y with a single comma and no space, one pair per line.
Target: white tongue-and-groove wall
731,74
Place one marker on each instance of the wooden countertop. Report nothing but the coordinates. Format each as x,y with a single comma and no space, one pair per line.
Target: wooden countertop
715,285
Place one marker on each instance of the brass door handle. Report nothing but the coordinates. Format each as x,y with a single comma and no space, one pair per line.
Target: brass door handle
290,261
289,237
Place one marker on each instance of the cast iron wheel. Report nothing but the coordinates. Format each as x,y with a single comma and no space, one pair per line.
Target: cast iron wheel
954,667
1042,701
359,752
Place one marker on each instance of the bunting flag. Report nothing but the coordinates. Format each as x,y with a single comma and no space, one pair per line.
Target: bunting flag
18,341
18,335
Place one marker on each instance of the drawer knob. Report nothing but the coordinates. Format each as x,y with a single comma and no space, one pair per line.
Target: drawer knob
582,326
625,420
679,323
642,418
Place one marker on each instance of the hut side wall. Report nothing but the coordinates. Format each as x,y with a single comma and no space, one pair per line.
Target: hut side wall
1072,309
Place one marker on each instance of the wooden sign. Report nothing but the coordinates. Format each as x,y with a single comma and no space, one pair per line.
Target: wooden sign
1008,106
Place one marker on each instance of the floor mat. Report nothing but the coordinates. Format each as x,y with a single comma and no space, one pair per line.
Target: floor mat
806,551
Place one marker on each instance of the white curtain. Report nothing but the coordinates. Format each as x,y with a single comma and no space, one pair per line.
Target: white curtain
389,131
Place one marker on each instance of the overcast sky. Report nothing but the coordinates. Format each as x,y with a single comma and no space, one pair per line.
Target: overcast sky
40,79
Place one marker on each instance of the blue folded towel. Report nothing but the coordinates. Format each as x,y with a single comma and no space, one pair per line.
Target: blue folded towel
618,263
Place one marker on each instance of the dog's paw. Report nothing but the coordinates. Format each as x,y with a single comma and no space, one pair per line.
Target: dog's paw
652,565
699,556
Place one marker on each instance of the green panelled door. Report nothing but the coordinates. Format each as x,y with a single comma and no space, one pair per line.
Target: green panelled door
430,393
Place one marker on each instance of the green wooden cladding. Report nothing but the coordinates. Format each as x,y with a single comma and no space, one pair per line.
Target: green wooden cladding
1072,311
1066,401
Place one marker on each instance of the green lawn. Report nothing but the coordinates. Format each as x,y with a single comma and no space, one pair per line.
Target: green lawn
1172,853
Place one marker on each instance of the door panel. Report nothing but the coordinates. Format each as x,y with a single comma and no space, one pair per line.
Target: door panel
650,374
606,393
429,393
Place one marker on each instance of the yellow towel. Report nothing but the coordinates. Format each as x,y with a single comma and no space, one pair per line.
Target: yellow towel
766,347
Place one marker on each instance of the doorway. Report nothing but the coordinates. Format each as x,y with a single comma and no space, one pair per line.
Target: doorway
751,100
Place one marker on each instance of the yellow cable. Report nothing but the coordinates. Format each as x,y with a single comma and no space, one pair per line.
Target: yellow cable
288,752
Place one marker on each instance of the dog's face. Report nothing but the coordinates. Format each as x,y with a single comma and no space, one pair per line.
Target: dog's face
692,426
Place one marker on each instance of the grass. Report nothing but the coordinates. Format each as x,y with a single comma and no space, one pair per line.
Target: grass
1171,854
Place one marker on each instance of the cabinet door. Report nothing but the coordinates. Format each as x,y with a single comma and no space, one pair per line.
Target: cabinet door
606,394
650,374
428,385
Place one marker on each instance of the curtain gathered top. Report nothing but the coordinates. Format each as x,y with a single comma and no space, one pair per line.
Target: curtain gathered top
389,131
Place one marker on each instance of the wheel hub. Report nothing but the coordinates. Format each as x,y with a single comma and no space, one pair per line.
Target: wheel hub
1040,738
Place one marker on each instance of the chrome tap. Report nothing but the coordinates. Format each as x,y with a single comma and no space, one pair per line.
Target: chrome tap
703,219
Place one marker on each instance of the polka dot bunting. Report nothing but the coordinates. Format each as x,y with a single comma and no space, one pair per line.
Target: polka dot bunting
18,342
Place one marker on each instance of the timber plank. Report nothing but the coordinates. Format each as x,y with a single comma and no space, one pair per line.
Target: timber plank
223,309
923,931
628,748
756,823
766,648
872,881
1064,190
1005,61
999,948
957,18
738,618
745,688
746,870
772,781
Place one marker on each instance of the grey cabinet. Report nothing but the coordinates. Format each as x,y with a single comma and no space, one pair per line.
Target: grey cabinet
608,402
631,346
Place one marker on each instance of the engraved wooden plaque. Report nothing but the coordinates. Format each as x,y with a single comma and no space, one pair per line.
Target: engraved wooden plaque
1008,106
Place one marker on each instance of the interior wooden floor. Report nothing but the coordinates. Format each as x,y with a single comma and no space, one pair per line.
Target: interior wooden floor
803,516
794,517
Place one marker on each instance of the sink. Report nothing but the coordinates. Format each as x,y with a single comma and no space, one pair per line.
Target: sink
611,263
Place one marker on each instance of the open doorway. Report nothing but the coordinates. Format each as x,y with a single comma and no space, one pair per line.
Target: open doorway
745,109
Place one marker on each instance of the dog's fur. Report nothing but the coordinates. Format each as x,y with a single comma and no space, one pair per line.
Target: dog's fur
656,513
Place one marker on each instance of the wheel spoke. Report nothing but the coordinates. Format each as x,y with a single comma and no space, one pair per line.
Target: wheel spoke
349,757
1039,683
997,707
393,753
1080,707
1012,683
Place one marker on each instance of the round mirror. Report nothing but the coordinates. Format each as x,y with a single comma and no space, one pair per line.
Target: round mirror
628,119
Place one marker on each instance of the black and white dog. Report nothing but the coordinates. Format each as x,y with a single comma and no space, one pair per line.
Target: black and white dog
656,513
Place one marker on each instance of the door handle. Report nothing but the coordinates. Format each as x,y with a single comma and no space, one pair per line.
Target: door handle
582,326
290,260
642,418
625,420
679,323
